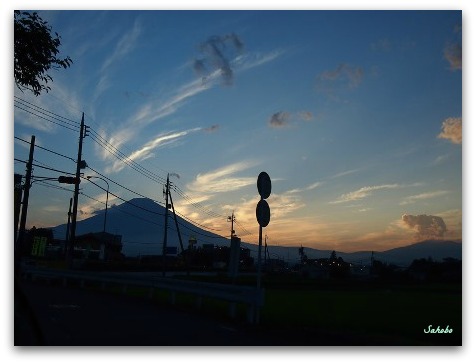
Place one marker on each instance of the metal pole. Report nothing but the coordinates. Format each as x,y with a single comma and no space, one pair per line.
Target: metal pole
258,280
164,247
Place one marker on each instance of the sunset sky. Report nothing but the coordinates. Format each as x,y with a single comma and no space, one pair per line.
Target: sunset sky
355,115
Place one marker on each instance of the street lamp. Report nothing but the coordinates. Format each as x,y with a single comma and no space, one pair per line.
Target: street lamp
107,196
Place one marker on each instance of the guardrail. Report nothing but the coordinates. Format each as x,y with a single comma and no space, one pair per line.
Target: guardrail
252,297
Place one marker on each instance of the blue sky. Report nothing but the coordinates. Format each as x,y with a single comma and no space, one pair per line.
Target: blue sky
355,115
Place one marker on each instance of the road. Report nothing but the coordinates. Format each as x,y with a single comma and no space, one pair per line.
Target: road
69,316
73,316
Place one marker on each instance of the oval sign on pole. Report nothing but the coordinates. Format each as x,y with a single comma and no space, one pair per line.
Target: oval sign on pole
264,185
263,214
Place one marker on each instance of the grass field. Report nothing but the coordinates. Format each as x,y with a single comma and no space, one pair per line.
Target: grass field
395,315
369,313
304,312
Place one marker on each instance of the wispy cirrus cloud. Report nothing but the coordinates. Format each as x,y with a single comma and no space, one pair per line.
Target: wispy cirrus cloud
423,196
256,59
123,47
345,173
147,150
363,193
153,110
311,187
223,179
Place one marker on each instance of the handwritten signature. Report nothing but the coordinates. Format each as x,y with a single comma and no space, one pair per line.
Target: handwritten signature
438,330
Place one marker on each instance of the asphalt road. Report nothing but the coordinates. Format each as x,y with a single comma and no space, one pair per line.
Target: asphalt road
69,316
56,315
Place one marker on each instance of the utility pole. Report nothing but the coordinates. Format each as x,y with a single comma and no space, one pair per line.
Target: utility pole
232,219
17,202
164,247
67,226
79,164
24,209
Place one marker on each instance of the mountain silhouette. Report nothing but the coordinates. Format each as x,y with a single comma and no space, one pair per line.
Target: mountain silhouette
140,221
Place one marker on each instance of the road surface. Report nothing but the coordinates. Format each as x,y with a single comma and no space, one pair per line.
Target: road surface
57,315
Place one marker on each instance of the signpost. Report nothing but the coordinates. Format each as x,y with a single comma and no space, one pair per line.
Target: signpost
263,215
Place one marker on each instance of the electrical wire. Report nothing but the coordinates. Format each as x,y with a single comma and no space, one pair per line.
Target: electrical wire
120,185
48,113
49,120
98,139
46,149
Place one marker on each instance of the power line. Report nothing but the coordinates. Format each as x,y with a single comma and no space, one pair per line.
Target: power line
98,139
50,168
63,119
118,184
49,120
50,185
48,150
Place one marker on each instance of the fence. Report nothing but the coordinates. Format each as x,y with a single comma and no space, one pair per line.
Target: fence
252,297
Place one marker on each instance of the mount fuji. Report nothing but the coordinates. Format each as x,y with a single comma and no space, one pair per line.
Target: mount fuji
140,222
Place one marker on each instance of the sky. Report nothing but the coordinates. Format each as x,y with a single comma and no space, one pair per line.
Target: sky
355,115
344,112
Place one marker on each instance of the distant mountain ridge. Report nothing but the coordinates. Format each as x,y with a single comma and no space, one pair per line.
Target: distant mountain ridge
141,224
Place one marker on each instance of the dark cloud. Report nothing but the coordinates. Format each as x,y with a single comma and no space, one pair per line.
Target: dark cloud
217,52
306,115
454,55
279,119
212,128
344,75
426,226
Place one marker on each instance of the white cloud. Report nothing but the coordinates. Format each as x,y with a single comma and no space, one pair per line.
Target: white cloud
148,148
123,47
157,109
362,193
345,173
425,226
452,129
308,188
223,179
422,196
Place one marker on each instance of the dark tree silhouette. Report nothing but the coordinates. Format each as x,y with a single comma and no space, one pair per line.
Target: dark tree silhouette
35,52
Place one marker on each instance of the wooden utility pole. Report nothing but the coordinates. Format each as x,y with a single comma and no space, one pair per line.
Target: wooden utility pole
71,242
24,209
68,225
